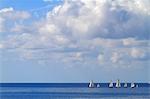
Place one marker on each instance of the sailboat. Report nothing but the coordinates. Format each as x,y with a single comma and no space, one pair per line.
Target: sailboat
118,85
98,85
132,85
91,84
125,85
111,84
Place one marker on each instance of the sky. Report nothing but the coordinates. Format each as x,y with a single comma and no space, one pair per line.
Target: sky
74,40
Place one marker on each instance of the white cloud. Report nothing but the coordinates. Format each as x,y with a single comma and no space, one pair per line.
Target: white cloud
9,17
137,53
76,16
17,28
137,6
10,13
87,25
142,6
129,41
100,58
78,56
110,43
115,57
49,29
4,10
61,39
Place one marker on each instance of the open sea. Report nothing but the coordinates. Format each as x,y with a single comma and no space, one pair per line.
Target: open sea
71,91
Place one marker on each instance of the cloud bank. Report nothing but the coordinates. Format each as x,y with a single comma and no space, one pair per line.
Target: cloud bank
81,32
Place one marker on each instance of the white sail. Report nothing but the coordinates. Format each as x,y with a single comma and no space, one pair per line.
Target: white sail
132,85
111,84
125,85
118,84
91,84
98,85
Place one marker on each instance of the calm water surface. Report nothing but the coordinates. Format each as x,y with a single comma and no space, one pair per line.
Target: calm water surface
71,91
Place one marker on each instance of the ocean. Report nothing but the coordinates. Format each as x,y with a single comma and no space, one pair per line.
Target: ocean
71,91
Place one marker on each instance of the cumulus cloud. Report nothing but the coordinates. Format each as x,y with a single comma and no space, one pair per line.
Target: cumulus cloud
10,13
5,10
10,16
10,9
137,53
115,57
76,16
77,30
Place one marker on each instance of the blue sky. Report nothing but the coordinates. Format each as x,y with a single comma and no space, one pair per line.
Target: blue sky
27,4
74,40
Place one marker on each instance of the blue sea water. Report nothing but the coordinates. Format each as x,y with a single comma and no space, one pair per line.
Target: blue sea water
71,91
